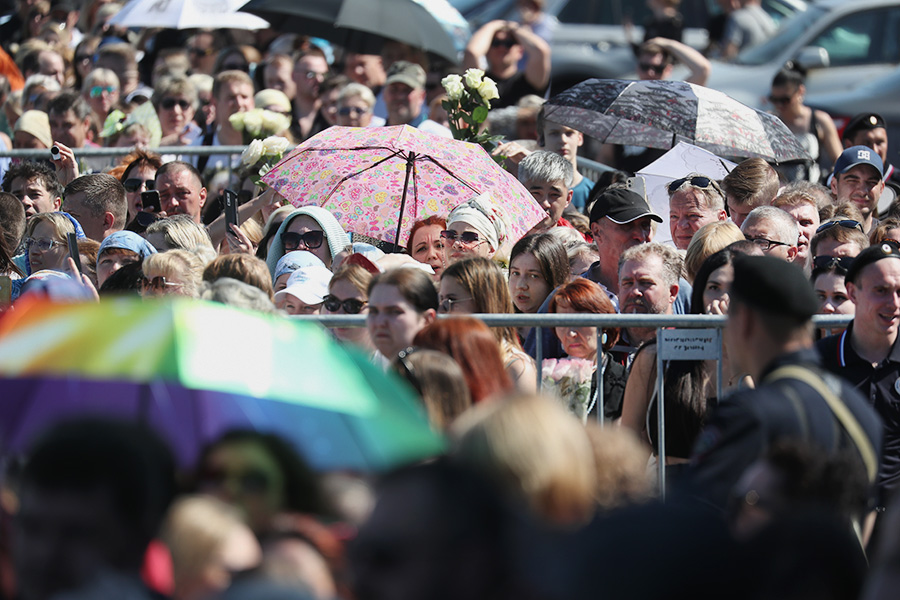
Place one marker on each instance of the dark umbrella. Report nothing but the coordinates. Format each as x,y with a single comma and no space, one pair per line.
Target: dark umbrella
364,25
659,114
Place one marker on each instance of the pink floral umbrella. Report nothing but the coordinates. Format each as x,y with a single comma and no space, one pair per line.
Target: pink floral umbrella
378,181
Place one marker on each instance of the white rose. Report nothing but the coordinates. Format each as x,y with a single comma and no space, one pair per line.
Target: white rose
252,153
473,78
453,86
237,121
253,122
487,89
275,145
273,122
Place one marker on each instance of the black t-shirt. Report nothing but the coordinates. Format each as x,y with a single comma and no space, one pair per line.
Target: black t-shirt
513,89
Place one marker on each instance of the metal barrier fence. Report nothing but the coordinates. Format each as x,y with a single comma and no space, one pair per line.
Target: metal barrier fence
679,337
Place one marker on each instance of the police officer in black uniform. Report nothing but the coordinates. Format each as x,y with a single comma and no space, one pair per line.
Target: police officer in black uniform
769,336
867,353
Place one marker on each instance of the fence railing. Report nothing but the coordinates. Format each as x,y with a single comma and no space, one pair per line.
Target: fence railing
701,328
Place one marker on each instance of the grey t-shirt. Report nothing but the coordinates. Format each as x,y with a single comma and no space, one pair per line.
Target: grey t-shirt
748,26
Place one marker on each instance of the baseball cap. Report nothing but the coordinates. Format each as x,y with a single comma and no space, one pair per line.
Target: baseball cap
622,206
406,72
308,284
858,155
863,122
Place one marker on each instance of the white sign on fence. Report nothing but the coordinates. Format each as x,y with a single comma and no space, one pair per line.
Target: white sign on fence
689,344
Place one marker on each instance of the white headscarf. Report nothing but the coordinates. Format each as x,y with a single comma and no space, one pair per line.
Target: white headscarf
479,212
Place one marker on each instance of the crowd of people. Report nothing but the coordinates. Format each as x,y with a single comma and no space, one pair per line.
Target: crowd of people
780,462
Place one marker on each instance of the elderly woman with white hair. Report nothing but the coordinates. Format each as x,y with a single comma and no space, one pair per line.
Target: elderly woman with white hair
474,228
355,105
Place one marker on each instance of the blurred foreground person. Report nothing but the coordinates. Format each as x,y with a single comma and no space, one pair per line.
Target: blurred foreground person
93,494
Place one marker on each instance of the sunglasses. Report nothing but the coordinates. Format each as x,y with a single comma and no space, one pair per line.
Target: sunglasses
466,237
351,306
250,482
841,263
651,68
98,90
158,283
170,103
845,223
780,99
346,111
446,305
310,240
506,43
697,181
133,184
200,51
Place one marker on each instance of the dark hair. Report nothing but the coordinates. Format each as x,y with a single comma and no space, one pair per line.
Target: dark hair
6,263
302,492
102,193
414,285
12,220
713,261
126,280
67,101
127,459
791,74
29,170
550,254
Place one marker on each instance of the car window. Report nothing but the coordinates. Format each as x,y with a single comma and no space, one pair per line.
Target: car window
790,30
860,38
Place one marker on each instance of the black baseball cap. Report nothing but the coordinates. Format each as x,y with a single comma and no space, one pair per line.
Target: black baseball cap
622,206
774,286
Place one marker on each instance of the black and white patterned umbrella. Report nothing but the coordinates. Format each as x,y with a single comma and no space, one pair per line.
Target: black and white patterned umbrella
659,114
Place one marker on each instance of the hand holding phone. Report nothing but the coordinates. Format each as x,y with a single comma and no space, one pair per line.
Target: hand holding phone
150,201
230,199
72,242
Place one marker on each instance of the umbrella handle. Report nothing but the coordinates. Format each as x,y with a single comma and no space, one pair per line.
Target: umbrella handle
410,165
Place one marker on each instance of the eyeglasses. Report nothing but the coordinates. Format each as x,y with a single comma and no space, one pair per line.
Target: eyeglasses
346,111
446,305
158,284
651,67
200,51
42,244
314,75
351,306
310,240
845,223
698,181
170,103
466,237
250,482
764,244
504,43
842,263
780,99
133,184
98,90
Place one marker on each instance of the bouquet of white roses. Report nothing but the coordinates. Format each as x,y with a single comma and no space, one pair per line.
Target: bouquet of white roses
468,101
261,155
569,380
259,123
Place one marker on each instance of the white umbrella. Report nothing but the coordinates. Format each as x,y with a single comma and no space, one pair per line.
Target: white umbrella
674,164
187,14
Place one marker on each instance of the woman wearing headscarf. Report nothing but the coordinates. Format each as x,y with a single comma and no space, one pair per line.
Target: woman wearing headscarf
474,228
310,228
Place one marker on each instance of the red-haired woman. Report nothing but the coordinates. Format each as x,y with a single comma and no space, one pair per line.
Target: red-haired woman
584,296
426,244
471,343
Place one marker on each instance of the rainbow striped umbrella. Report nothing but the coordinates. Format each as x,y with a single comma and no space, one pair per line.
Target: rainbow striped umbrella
193,370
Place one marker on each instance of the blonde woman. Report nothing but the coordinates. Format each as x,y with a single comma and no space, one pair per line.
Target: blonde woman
172,273
101,91
708,240
45,241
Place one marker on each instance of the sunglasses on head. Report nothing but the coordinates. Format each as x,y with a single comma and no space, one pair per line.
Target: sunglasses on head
351,306
310,240
466,237
841,263
158,283
698,181
133,184
845,223
170,103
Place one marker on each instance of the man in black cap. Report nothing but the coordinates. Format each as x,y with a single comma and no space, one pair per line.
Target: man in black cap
867,354
769,337
620,219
